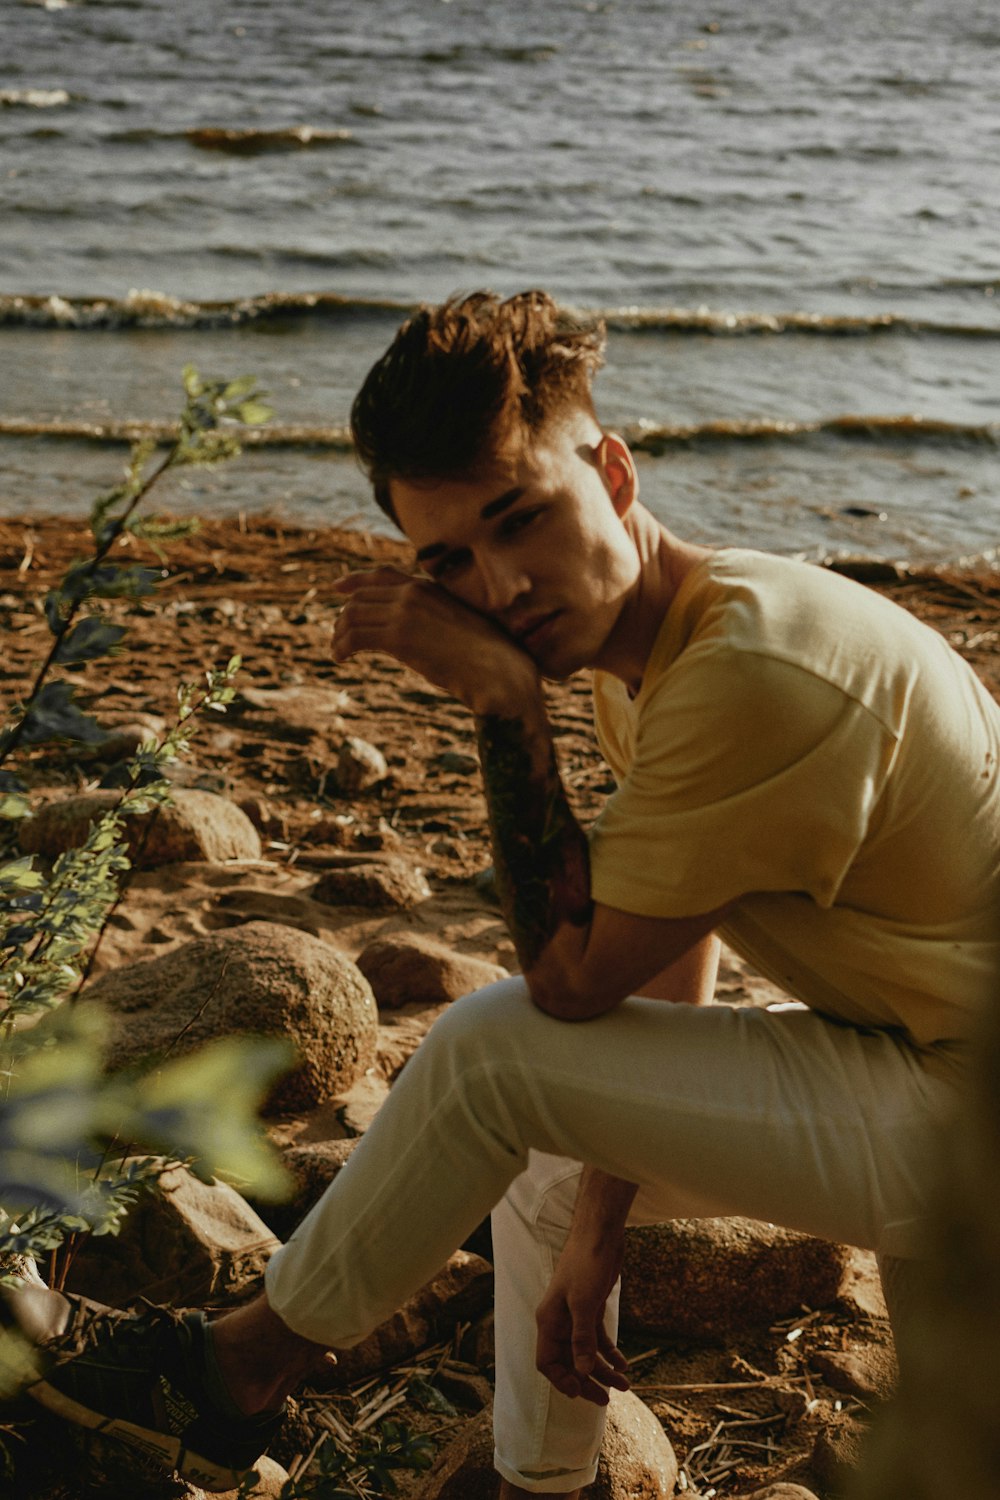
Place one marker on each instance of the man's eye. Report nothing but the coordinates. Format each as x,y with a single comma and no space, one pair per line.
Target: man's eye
451,563
518,521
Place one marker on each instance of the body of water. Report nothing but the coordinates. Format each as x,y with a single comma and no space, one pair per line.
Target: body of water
788,211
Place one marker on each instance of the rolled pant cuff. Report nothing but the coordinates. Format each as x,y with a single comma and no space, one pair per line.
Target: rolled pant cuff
556,1482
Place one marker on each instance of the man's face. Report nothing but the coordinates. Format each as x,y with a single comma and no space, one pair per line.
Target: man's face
536,543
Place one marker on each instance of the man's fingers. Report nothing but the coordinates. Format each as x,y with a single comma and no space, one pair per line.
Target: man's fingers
367,578
612,1353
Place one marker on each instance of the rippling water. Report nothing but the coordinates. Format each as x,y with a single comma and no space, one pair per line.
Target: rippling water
790,211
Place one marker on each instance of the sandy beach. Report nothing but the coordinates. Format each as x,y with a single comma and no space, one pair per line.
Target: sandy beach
265,590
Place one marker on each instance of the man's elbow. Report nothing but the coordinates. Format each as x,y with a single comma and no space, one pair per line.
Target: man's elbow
566,995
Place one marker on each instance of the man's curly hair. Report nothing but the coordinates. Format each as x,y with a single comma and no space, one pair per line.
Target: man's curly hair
461,379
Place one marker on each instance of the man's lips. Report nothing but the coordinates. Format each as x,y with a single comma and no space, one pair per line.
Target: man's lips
532,632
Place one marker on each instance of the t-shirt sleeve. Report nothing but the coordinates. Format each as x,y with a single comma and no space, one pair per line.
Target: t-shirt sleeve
749,774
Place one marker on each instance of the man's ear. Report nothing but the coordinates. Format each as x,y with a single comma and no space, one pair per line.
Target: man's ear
616,467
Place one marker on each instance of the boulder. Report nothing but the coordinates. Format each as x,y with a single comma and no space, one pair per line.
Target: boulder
260,978
185,1242
381,884
409,968
705,1278
460,1291
360,766
195,825
636,1463
312,1167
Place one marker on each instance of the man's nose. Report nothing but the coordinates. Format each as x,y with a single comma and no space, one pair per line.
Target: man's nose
503,580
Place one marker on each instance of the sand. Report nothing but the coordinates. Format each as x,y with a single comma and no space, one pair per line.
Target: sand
264,589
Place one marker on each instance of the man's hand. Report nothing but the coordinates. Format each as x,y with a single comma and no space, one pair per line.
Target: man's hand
421,625
574,1350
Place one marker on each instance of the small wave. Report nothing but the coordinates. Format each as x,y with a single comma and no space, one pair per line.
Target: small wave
152,309
460,52
148,309
644,436
33,98
721,322
656,438
134,430
250,142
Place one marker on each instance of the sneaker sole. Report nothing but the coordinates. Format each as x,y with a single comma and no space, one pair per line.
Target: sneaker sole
167,1451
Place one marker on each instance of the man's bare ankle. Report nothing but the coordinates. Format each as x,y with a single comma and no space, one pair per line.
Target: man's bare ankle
260,1359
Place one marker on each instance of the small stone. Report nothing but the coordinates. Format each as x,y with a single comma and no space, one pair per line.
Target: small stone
264,816
409,968
123,737
870,1374
782,1491
296,713
457,763
271,1477
389,883
360,766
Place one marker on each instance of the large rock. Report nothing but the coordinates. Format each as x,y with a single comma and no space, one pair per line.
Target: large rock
381,884
705,1278
259,978
312,1167
184,1242
460,1291
195,825
636,1463
408,968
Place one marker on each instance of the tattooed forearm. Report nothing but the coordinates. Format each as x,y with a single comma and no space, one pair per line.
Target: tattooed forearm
540,851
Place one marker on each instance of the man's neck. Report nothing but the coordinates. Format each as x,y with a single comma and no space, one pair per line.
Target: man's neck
664,563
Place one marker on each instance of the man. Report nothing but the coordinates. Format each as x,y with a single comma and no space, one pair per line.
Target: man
802,766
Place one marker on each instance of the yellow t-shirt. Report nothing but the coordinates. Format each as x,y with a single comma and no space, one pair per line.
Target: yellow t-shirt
809,749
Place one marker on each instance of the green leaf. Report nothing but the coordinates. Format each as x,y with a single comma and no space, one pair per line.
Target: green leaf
429,1397
52,715
254,413
241,386
89,639
192,381
14,805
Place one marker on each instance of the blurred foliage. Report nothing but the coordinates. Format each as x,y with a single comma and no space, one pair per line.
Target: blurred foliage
65,1127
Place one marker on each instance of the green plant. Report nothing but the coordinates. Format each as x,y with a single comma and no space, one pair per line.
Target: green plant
66,1129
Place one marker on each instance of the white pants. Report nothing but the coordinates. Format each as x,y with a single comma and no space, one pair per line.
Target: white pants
781,1116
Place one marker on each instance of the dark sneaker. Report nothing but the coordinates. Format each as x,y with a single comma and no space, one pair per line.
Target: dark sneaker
139,1378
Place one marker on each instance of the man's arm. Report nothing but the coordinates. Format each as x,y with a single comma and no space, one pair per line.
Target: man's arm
579,958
